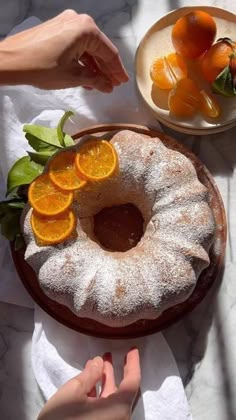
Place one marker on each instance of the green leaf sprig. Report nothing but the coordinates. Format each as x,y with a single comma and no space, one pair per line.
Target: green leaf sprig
45,142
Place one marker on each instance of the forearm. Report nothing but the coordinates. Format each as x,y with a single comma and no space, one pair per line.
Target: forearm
13,68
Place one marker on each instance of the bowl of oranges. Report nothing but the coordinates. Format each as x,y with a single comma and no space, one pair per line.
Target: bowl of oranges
186,70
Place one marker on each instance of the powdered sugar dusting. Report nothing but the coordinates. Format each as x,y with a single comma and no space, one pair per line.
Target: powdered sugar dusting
162,270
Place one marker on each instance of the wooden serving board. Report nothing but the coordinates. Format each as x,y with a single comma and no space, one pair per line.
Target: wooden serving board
142,327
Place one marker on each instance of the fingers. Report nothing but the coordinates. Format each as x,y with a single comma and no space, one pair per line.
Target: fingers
108,53
88,76
93,392
88,61
108,381
132,376
104,67
91,374
89,70
97,44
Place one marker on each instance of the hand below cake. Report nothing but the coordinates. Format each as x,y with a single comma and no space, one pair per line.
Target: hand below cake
77,399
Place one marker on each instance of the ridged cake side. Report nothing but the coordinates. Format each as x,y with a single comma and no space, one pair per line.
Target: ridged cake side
118,288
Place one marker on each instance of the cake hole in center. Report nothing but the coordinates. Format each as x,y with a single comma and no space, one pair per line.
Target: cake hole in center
119,228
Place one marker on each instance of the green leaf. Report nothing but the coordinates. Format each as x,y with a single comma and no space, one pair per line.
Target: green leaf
68,141
36,134
37,144
226,40
16,204
10,225
223,84
41,157
19,242
10,213
24,171
5,209
60,133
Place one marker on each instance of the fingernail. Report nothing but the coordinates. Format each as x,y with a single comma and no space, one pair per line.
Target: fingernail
107,357
87,363
96,361
134,348
87,87
125,79
122,77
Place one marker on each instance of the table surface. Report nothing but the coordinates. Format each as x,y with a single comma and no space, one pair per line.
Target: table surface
203,342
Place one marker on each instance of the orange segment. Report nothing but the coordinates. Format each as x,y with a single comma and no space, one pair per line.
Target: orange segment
96,160
46,198
209,105
184,99
51,231
63,173
166,71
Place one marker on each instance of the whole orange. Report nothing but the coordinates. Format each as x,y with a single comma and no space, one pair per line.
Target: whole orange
216,59
193,34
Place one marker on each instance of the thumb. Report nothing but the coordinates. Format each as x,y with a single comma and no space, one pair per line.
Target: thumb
91,374
94,78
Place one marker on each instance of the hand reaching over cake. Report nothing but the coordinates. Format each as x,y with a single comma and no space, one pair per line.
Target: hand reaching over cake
66,51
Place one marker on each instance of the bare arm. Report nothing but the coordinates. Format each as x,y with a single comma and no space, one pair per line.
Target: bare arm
66,51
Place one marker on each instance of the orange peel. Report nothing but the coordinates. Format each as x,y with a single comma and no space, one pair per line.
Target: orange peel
51,231
62,171
96,160
46,198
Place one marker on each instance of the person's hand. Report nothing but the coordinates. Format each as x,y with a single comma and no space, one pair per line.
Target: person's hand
66,51
78,400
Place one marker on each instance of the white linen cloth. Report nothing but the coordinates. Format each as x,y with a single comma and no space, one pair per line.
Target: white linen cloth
59,353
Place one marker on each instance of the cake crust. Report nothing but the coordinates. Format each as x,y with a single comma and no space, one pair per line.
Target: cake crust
119,288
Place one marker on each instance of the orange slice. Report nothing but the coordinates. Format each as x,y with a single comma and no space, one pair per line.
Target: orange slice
54,230
165,72
209,105
63,173
184,99
46,198
96,160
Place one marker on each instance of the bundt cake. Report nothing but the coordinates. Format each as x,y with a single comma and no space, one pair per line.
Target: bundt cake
171,228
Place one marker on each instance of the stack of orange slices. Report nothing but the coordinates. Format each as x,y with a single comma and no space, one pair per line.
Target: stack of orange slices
51,194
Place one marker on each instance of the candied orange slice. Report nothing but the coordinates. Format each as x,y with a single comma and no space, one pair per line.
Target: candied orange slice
46,198
166,71
63,173
184,99
209,105
53,230
96,160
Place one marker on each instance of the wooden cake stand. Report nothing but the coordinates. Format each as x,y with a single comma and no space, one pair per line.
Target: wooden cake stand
168,317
